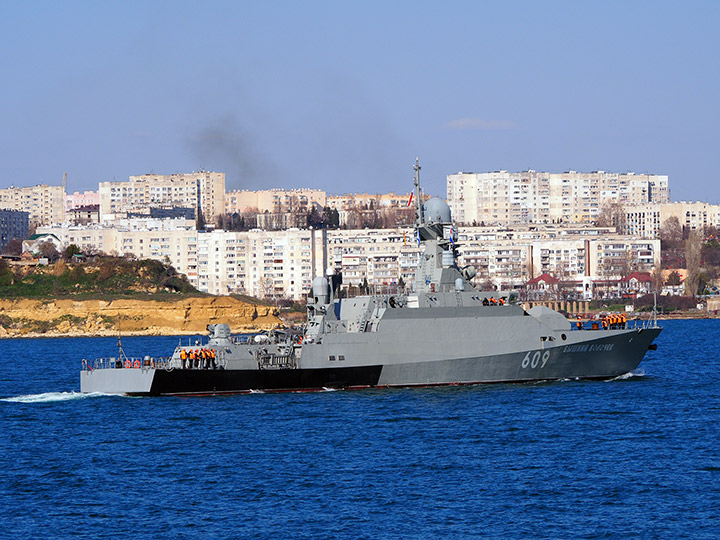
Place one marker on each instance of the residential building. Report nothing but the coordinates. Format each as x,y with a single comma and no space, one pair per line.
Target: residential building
14,225
280,221
79,200
44,204
646,220
506,198
199,190
274,264
83,215
352,206
274,201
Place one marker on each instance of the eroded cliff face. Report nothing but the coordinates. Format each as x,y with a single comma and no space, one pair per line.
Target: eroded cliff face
130,317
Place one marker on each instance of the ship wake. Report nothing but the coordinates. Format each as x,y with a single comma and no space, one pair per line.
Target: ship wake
51,397
629,375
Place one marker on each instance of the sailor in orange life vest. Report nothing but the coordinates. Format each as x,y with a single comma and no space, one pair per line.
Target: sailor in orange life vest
183,358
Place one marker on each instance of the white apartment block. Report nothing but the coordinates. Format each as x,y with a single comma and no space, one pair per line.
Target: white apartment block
273,201
506,198
203,189
44,204
646,220
273,264
164,240
382,256
509,262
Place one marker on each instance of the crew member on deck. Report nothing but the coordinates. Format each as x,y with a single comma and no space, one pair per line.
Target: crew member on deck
183,358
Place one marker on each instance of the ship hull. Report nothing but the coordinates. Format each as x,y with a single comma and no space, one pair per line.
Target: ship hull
604,358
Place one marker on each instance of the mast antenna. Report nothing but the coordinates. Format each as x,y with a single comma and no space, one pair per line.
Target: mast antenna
418,204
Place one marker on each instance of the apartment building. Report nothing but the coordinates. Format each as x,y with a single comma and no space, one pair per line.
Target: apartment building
79,200
274,201
505,198
352,204
646,220
274,264
204,190
380,256
164,240
44,204
14,225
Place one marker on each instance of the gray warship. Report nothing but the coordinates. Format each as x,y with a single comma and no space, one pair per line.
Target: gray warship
442,332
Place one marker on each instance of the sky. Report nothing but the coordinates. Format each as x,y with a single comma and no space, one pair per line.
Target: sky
343,96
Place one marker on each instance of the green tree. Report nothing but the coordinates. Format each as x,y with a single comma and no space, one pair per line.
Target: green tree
70,251
673,278
6,275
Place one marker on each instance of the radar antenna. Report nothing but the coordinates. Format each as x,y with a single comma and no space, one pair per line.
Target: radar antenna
418,204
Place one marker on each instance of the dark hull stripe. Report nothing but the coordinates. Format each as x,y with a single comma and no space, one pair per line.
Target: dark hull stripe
201,389
215,382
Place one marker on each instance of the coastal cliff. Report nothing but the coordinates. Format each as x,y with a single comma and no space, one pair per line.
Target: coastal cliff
55,318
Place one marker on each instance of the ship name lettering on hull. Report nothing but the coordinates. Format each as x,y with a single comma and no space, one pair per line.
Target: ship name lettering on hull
589,347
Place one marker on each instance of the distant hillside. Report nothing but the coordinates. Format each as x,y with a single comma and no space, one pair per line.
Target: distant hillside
109,295
99,278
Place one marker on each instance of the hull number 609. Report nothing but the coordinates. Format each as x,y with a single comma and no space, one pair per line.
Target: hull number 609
535,359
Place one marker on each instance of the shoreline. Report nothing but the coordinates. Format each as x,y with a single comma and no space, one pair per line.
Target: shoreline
131,333
169,332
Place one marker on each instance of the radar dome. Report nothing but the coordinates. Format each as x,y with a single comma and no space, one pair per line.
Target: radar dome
436,210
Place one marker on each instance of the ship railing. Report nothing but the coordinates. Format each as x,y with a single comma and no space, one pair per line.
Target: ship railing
596,324
127,362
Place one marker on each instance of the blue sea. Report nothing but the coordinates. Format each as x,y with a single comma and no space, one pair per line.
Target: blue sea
636,458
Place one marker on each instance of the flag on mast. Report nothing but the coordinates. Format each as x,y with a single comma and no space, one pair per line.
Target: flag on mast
410,199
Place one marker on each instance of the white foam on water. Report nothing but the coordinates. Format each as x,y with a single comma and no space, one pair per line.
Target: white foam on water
50,397
629,375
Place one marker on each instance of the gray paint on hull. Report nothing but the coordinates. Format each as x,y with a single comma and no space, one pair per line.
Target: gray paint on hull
117,381
591,360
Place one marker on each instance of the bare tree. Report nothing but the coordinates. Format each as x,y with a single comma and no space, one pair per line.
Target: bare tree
657,278
612,214
671,233
13,247
693,251
48,250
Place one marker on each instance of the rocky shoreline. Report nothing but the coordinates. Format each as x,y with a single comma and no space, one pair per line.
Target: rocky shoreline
129,317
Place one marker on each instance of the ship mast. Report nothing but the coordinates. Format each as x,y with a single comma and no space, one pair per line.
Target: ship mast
418,204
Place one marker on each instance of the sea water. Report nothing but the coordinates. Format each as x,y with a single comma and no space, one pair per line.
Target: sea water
636,457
